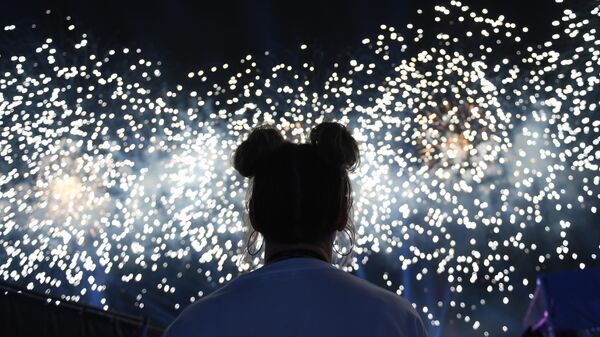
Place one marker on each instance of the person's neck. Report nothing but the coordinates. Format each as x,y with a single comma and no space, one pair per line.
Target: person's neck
274,251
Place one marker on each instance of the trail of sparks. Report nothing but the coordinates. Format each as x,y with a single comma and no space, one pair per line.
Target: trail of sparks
479,165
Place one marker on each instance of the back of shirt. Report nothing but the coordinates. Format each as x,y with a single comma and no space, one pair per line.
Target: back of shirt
299,297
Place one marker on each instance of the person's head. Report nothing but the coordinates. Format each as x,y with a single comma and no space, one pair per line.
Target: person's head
300,193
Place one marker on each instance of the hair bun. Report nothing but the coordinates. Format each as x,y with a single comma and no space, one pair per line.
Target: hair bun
260,142
336,145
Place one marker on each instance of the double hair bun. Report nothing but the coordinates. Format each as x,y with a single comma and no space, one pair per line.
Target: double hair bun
333,142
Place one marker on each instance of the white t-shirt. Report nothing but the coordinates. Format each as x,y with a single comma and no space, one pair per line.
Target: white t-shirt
298,297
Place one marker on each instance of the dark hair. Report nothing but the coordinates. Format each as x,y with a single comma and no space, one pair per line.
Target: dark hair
299,191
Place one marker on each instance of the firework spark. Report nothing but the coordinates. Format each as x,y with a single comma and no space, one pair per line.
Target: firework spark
480,168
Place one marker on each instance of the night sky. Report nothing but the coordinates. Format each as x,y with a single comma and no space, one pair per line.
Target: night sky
145,128
187,35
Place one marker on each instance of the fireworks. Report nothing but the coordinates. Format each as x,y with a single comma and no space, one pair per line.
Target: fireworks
480,168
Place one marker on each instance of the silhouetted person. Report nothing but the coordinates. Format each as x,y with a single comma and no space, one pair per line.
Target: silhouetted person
300,198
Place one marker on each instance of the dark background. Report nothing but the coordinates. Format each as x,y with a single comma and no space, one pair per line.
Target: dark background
192,35
189,35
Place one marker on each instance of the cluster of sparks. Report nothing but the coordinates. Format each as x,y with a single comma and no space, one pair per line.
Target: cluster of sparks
478,165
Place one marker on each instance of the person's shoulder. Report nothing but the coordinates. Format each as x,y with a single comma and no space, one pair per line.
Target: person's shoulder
390,307
371,289
188,320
